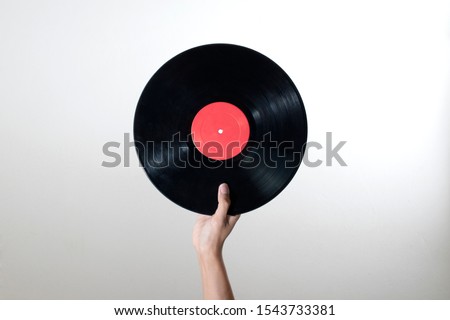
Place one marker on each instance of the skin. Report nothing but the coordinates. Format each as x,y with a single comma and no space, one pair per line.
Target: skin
208,238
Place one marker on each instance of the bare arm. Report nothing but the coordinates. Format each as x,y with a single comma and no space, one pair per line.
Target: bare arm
209,235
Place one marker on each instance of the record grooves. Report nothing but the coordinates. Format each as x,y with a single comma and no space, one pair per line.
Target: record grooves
252,138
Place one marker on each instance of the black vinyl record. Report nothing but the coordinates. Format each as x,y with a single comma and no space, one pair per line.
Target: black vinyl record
241,95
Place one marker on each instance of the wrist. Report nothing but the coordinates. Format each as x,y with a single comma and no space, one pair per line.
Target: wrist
210,256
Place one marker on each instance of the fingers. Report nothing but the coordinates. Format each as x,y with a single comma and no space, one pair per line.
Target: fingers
223,196
233,219
201,217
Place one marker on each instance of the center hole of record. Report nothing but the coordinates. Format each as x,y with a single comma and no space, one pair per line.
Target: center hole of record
220,130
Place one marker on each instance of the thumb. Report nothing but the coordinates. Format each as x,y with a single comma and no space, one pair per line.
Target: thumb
223,196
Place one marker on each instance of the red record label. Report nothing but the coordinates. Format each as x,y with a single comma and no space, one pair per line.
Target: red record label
220,130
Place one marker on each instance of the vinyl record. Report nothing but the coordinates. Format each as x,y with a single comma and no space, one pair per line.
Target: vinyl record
220,113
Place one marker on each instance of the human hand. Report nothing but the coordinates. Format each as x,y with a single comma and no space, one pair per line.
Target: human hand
208,237
210,232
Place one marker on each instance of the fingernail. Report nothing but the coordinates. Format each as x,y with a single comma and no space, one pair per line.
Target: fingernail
224,188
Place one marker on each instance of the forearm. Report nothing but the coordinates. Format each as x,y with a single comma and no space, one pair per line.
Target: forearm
215,283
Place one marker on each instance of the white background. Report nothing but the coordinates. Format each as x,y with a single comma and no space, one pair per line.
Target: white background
375,73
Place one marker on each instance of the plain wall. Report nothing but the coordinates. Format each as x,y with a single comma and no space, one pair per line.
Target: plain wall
375,74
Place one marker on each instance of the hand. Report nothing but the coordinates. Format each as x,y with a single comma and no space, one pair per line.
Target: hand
208,237
210,232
